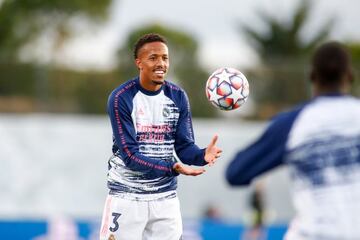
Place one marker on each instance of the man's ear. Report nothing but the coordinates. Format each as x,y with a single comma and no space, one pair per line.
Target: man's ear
138,63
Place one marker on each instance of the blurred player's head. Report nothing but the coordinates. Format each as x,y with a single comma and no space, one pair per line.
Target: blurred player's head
331,69
152,59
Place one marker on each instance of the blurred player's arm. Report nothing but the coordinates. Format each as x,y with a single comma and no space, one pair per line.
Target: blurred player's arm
264,154
125,138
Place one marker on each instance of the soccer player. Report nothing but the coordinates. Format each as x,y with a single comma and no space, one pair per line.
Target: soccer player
320,142
151,120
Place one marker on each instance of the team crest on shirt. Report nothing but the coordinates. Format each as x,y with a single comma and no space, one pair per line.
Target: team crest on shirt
166,112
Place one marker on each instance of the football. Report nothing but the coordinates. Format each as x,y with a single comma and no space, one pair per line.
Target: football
227,88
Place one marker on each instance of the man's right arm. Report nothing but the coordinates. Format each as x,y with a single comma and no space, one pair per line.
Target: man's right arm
119,111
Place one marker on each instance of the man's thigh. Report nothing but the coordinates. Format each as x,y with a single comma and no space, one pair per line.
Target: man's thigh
165,221
123,219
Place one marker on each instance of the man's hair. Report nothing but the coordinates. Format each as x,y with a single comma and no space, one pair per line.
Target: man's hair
147,38
330,63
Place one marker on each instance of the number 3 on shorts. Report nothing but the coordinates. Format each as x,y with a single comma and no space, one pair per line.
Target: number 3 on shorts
115,222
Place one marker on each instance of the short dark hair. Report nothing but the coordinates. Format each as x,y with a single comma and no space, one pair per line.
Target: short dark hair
147,38
331,61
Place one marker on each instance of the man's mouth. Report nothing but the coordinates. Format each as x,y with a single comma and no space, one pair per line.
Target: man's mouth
160,73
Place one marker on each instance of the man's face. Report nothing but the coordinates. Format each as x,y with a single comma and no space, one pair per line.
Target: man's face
153,63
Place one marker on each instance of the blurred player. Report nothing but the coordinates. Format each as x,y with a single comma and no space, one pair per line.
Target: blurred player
257,204
151,119
320,141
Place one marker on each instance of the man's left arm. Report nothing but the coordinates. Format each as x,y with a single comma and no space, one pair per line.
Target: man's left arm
185,147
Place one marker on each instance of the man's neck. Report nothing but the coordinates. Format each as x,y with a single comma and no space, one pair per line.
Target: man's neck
148,85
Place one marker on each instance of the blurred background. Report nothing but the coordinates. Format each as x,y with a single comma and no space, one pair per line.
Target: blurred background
59,60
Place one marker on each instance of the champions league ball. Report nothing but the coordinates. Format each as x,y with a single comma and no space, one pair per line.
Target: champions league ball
227,88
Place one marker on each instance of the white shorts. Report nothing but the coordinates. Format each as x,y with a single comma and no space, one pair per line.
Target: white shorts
125,219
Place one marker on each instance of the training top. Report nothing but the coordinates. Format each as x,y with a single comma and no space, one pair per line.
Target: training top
320,142
148,127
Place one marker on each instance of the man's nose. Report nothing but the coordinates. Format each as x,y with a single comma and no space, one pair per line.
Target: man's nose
161,62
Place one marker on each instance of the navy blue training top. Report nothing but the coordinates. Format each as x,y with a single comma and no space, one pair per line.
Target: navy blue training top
320,142
148,127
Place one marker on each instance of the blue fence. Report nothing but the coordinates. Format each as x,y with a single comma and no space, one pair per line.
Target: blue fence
88,230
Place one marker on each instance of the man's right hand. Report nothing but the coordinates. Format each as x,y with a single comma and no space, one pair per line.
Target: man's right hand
186,170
